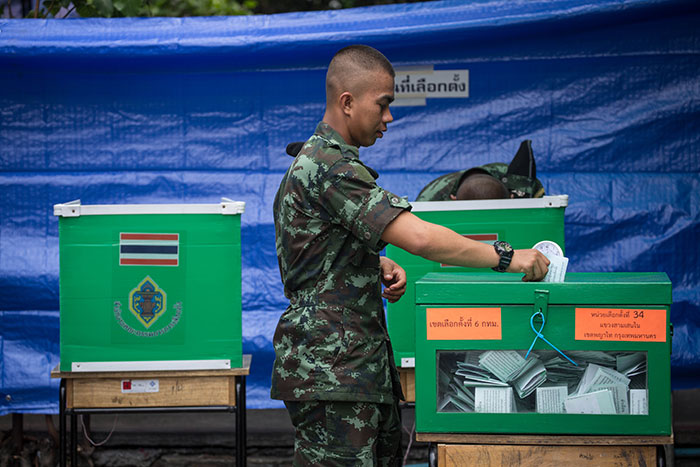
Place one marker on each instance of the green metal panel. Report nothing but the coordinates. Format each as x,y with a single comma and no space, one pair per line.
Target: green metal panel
644,291
522,228
200,318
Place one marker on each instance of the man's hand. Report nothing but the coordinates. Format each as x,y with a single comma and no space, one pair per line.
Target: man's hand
532,263
393,278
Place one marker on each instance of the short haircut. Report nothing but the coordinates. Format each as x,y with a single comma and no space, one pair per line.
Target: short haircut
481,186
352,63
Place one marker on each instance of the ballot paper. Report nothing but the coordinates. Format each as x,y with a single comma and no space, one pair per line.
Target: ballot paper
596,375
632,364
506,365
557,269
561,372
463,394
597,402
557,262
638,402
551,399
476,376
453,404
526,383
619,392
509,366
494,400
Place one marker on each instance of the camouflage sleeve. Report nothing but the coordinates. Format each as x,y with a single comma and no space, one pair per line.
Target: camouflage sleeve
355,201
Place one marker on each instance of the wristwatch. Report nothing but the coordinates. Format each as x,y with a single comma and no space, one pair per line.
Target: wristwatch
505,251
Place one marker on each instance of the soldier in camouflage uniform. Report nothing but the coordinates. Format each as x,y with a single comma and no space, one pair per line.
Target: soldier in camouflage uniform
515,180
334,365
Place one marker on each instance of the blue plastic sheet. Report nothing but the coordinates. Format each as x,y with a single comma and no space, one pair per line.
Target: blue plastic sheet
188,110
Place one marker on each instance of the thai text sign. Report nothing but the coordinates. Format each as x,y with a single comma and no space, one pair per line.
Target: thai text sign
413,86
463,323
614,324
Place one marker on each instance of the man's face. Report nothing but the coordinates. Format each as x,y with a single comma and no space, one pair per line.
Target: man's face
370,111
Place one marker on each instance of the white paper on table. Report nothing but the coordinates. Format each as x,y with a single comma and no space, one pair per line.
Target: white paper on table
493,400
598,402
551,399
638,402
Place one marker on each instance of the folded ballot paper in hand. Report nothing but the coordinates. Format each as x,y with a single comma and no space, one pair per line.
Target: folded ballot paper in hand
557,261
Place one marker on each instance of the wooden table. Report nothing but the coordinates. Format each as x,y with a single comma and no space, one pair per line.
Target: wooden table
490,450
407,376
152,392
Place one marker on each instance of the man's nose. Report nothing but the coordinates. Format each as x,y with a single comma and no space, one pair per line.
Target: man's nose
388,118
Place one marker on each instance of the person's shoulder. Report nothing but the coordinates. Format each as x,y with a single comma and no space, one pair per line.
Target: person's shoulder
440,188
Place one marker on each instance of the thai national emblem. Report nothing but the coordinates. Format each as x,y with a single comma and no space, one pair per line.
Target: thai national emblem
147,301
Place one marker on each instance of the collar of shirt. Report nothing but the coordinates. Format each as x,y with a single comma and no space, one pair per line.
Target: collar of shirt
333,138
325,131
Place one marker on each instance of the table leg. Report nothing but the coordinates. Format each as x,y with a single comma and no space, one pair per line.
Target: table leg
73,439
241,447
62,423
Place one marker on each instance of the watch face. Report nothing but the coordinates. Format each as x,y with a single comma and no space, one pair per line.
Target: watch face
505,246
548,248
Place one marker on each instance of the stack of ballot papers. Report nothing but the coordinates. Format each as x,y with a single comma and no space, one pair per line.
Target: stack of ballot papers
488,381
601,390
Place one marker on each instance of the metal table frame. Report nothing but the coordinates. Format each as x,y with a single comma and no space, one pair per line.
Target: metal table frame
239,411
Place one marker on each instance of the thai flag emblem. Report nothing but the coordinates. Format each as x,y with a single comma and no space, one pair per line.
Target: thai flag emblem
148,249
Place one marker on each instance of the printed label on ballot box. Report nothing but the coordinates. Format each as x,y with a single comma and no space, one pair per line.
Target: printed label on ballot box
617,324
463,324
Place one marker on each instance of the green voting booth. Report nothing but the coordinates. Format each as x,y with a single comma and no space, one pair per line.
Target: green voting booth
521,222
150,287
590,355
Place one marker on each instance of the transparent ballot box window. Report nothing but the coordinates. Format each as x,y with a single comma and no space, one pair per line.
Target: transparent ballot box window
504,381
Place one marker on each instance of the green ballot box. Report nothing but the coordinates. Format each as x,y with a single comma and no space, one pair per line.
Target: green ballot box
590,355
520,222
150,287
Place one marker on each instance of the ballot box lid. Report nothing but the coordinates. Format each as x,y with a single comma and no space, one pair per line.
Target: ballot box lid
76,209
621,288
555,201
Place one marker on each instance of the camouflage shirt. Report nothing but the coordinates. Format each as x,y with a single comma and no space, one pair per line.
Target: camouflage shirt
519,186
331,343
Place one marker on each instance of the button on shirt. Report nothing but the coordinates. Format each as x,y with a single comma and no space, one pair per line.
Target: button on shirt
331,343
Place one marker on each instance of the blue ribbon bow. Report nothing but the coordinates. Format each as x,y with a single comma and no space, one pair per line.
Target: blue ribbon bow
539,335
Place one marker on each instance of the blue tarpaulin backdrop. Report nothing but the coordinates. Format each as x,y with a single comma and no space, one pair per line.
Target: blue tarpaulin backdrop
158,110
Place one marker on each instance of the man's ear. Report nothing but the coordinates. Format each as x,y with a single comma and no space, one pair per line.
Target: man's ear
346,101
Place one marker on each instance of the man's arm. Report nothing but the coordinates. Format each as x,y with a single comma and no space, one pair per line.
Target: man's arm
438,243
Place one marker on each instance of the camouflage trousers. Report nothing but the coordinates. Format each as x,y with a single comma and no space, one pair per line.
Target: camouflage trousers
339,433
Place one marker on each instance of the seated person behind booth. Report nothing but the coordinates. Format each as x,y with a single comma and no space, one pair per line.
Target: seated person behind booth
491,181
